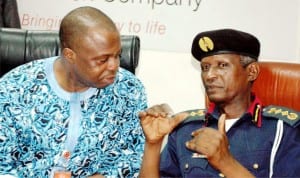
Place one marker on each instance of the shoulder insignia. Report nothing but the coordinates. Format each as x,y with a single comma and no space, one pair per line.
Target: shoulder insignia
289,116
195,115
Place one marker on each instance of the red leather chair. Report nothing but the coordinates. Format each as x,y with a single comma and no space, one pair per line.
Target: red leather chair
279,84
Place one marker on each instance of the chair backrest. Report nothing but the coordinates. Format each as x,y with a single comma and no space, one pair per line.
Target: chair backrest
278,83
19,46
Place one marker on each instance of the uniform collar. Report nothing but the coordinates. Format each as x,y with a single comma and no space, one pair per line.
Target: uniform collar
254,111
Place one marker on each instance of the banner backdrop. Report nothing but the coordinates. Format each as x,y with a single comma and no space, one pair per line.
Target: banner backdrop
170,25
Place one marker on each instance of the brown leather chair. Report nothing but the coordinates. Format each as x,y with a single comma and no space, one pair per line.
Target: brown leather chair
279,84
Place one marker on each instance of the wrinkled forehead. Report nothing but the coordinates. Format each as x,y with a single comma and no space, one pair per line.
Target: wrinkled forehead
219,58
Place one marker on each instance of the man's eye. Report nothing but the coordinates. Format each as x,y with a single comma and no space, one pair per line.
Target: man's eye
205,67
222,65
102,60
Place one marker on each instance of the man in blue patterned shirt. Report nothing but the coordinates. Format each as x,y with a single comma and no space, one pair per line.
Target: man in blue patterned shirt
75,113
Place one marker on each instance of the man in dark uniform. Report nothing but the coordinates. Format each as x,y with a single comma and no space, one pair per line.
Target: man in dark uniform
236,136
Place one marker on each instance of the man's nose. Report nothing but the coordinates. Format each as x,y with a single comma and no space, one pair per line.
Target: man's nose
211,74
113,63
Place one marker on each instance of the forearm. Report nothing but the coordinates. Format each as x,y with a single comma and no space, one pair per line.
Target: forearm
151,159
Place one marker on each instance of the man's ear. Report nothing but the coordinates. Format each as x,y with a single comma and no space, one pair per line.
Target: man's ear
253,71
69,55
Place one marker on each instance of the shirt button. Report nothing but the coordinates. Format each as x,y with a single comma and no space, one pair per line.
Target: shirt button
221,175
186,166
255,166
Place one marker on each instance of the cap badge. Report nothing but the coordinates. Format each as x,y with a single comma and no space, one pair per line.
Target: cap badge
206,44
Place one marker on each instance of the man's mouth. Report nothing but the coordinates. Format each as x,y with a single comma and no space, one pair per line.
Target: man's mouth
211,88
110,79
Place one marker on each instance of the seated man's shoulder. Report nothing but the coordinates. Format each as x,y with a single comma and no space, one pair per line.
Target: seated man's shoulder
26,69
288,115
195,115
126,76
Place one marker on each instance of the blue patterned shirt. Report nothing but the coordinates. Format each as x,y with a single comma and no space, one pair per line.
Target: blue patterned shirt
35,115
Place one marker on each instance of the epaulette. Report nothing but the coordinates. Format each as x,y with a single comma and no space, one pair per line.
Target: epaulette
289,116
194,115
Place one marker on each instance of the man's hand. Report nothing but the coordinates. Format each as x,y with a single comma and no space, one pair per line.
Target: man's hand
158,122
211,143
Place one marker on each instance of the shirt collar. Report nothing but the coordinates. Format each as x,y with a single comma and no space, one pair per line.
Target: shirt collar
254,111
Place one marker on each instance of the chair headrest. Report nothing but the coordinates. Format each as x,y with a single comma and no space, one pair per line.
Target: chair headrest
19,46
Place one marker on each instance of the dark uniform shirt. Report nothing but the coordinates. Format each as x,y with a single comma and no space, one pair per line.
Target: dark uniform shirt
251,141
